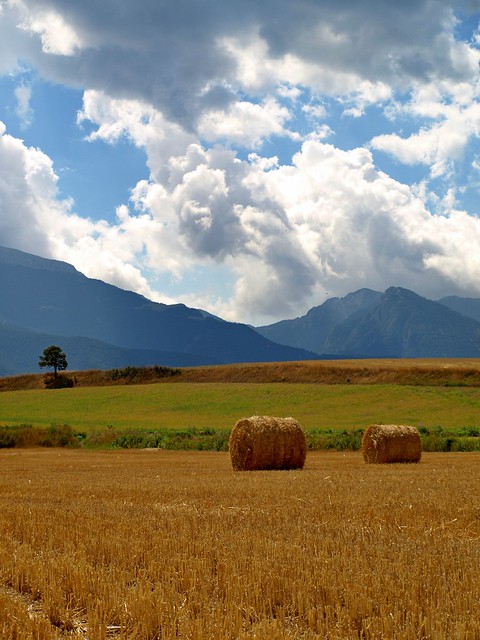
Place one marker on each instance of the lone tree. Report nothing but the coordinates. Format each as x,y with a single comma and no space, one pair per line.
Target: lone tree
54,357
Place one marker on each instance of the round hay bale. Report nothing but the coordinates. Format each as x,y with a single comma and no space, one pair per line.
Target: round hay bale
264,442
391,443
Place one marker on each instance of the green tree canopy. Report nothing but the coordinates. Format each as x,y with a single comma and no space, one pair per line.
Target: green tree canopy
54,357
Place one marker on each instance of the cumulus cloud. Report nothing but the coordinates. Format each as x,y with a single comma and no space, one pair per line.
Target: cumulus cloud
34,219
246,124
330,221
138,121
451,124
27,195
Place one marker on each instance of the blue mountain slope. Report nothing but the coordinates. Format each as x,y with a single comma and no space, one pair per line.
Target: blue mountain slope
54,298
406,325
398,323
311,330
21,348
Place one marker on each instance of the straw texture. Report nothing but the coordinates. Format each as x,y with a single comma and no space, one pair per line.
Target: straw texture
391,443
265,442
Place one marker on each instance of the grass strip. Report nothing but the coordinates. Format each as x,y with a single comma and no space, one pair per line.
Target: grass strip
195,439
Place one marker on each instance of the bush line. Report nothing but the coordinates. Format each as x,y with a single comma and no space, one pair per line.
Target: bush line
197,439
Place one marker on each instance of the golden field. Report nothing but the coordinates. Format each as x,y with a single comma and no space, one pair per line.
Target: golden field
165,544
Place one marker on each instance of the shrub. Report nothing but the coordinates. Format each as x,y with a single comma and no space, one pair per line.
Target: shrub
26,435
130,441
7,439
136,374
105,438
472,432
59,382
346,440
59,436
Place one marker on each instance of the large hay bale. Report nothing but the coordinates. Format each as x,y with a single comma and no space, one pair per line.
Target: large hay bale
391,443
264,442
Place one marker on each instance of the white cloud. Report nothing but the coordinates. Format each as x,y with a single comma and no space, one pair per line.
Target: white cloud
290,68
457,257
315,111
36,220
246,124
439,144
265,164
330,222
289,92
57,36
27,194
24,112
138,121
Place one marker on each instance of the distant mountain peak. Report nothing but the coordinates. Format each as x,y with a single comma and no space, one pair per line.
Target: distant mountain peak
406,325
397,323
311,330
401,292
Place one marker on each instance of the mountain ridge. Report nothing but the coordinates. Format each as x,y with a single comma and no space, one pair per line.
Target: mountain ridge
396,324
406,325
45,302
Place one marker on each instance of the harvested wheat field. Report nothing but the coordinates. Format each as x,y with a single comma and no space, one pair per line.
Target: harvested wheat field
160,545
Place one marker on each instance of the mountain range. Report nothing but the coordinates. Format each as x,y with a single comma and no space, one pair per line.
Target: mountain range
44,302
100,326
395,324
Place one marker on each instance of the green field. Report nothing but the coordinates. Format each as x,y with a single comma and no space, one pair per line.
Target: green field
219,406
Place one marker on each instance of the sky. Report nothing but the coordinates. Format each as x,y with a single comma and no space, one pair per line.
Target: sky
248,158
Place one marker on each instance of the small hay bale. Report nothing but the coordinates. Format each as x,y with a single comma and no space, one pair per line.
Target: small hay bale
264,442
383,443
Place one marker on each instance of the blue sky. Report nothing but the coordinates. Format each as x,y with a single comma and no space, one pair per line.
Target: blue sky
247,158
